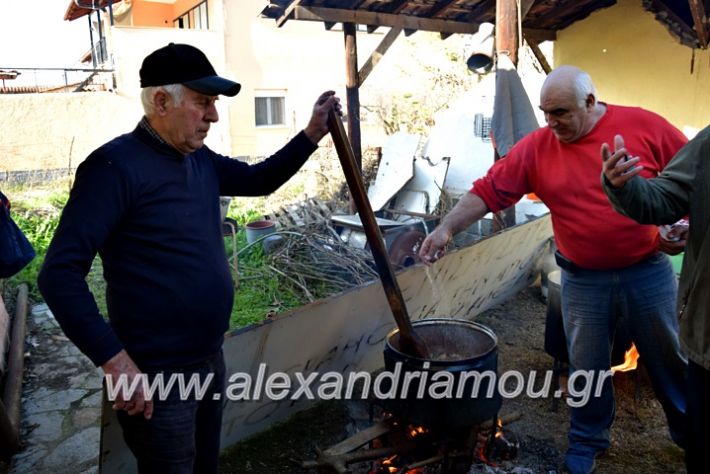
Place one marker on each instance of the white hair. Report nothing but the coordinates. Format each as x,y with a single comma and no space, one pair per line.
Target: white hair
175,91
583,86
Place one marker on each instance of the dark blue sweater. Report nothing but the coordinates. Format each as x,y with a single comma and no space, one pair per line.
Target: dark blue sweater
153,217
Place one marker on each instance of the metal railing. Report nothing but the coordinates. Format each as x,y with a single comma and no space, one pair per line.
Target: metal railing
54,79
196,18
99,53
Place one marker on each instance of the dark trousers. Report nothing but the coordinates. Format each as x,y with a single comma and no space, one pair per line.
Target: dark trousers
696,454
183,435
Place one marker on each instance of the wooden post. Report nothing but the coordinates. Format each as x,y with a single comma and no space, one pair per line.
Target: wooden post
15,362
4,334
9,436
541,59
507,29
352,86
507,43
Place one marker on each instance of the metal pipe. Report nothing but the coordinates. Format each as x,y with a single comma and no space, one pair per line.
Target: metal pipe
101,37
91,41
110,12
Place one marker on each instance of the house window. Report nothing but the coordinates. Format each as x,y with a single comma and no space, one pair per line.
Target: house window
270,111
482,127
195,18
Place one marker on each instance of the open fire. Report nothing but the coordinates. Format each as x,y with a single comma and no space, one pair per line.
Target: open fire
630,361
394,447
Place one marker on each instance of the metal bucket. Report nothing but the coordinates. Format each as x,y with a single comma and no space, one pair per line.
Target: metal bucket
461,348
257,229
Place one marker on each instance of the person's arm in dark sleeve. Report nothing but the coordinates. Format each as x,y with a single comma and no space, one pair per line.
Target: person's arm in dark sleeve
98,198
237,178
661,200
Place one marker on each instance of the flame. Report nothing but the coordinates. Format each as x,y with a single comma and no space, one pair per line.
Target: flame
390,463
416,430
630,361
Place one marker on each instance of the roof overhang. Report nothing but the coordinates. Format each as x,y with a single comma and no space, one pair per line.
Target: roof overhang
686,19
79,8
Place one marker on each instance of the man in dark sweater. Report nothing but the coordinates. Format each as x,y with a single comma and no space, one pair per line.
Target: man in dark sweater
148,203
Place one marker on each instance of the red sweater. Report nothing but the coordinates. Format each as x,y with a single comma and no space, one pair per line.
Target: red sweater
566,177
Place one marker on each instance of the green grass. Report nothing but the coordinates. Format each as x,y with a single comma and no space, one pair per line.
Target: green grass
37,213
260,294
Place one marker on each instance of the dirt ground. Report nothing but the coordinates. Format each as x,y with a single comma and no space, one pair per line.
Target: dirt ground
640,441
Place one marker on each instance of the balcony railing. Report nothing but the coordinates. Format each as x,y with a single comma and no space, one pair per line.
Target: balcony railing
32,80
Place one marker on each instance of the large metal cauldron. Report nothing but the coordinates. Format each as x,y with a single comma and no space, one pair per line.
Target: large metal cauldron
456,346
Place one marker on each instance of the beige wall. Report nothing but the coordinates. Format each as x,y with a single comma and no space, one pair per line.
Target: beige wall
634,60
301,58
304,59
37,130
45,131
131,45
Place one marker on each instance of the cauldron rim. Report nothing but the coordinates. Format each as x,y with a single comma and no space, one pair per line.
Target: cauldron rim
455,321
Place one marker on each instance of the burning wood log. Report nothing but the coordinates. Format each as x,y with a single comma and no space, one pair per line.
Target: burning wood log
393,443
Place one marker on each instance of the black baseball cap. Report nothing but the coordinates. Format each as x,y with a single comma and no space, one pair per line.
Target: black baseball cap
184,64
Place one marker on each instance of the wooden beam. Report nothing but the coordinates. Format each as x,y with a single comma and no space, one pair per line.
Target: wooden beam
558,13
539,34
700,20
383,19
439,8
525,6
4,330
580,14
378,54
541,59
287,12
12,394
477,14
396,6
9,436
661,7
570,12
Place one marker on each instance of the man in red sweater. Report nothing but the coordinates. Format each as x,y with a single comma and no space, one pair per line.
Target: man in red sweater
613,274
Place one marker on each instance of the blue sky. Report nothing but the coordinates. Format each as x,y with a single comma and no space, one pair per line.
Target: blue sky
34,34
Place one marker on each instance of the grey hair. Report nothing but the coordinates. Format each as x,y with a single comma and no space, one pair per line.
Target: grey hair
583,86
175,91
